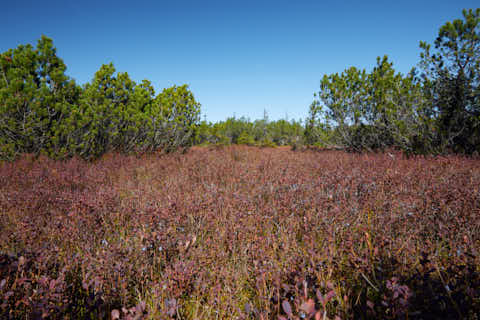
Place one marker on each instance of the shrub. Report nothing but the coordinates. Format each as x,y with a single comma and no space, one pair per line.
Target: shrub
240,232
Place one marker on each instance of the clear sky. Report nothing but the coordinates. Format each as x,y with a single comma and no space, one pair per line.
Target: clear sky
239,57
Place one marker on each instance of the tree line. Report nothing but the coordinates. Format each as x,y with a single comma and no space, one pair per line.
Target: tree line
435,108
242,130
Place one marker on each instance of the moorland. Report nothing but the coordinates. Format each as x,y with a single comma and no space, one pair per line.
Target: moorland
241,232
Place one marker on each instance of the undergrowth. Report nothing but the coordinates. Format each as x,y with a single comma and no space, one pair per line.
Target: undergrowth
241,233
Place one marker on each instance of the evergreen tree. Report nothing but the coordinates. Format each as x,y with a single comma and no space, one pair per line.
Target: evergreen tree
360,110
175,115
35,98
452,77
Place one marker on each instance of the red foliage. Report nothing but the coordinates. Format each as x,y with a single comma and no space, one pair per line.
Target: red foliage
241,232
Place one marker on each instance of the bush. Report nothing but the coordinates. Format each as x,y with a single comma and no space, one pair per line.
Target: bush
245,138
43,111
35,97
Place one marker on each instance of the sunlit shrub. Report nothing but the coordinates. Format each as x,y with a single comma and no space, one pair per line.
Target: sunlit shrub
240,232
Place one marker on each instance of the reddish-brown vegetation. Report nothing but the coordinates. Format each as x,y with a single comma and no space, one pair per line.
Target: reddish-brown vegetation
241,233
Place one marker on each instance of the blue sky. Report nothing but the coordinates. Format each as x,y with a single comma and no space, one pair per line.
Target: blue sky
239,57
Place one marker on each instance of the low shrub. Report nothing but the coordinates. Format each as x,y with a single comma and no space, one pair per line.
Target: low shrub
241,232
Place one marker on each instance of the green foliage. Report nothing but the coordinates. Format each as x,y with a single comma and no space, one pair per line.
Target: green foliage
43,111
360,110
394,101
35,97
266,143
245,138
451,80
243,131
317,130
203,133
117,114
283,132
108,114
437,112
176,119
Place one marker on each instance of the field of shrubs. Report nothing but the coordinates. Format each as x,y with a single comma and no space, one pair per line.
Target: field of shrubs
241,233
